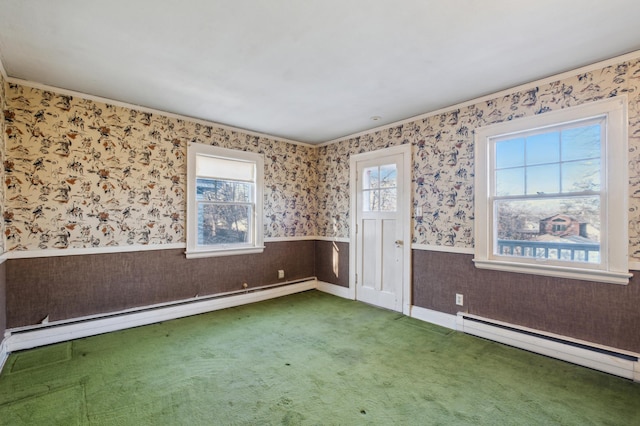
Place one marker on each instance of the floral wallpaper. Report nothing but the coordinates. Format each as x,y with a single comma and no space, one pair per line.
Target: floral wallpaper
80,174
442,150
2,154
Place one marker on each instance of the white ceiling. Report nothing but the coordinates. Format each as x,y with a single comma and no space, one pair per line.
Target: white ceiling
310,71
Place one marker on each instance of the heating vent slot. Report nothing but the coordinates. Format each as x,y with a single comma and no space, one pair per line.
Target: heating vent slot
152,308
60,331
556,339
609,360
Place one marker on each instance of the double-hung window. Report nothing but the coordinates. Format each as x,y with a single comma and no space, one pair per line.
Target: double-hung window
551,194
224,201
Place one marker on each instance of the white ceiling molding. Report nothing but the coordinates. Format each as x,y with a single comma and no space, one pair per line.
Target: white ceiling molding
523,87
306,71
141,108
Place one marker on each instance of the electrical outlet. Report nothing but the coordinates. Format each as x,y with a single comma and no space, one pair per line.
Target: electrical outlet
418,211
459,299
280,274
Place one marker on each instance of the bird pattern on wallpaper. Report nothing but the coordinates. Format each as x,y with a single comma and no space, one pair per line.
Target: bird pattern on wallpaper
2,156
80,174
443,156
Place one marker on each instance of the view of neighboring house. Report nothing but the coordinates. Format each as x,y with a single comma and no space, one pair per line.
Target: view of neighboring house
562,225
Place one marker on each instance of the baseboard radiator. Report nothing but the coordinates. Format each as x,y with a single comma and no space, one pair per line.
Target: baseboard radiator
598,357
60,331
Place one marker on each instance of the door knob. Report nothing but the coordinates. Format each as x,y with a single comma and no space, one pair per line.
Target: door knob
398,242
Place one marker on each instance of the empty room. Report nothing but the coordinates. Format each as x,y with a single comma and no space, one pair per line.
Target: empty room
356,212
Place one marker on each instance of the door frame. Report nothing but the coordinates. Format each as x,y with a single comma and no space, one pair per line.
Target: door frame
405,150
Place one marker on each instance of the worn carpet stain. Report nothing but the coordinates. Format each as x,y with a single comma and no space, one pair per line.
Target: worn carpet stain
308,358
41,358
63,406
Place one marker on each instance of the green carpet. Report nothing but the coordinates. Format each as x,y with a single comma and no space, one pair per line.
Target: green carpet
308,358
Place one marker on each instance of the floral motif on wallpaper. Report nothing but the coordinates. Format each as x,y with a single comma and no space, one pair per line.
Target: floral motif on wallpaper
2,151
80,173
443,151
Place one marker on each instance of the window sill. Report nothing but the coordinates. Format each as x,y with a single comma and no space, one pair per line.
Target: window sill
197,254
609,277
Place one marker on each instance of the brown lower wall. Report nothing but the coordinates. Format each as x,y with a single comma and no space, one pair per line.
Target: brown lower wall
3,300
75,286
607,314
332,262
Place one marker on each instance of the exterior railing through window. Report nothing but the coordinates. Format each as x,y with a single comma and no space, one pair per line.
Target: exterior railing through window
581,252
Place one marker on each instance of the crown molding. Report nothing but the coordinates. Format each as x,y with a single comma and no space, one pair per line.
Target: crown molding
67,92
523,87
3,72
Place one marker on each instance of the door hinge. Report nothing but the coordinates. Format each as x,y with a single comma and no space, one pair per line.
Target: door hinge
356,278
356,228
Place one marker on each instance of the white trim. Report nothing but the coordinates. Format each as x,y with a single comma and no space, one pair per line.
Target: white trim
523,87
556,271
285,239
141,108
4,353
333,289
334,239
256,231
434,317
614,249
2,70
566,352
405,151
223,252
444,249
26,254
24,338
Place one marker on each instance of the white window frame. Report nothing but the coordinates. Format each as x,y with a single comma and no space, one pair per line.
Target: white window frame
257,238
614,202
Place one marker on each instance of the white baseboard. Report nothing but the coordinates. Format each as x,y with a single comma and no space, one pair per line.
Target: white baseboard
55,333
334,289
4,353
578,352
434,317
587,354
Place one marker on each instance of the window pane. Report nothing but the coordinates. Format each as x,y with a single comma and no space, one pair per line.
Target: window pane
388,200
215,167
510,153
223,224
581,176
223,190
371,201
510,182
370,178
581,143
561,229
543,148
388,176
543,179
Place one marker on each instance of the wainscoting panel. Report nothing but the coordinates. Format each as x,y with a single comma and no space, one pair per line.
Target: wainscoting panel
606,314
332,262
59,288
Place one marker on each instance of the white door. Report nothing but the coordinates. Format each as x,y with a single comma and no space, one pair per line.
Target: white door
380,229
